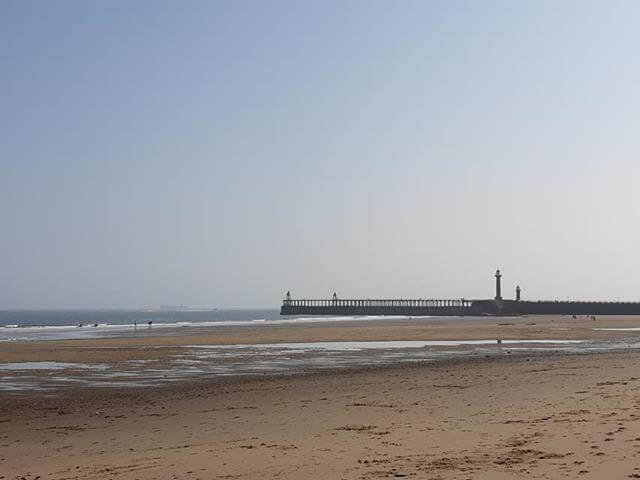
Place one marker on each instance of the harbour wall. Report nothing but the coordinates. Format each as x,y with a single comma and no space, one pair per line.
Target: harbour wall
456,307
571,308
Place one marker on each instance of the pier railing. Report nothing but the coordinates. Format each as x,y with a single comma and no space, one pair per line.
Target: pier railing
360,302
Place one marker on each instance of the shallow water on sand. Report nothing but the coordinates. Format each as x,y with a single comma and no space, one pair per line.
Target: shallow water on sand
50,366
368,345
196,362
630,329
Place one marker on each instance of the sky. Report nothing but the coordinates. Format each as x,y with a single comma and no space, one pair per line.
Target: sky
220,153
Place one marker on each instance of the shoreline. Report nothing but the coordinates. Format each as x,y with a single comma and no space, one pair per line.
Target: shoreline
175,357
391,328
127,332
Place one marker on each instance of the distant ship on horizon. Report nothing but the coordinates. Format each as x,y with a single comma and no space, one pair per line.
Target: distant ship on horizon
183,308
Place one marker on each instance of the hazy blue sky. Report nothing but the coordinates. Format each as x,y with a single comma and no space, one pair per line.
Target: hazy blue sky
220,153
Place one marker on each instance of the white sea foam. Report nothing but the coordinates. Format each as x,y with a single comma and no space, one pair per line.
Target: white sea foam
214,323
50,332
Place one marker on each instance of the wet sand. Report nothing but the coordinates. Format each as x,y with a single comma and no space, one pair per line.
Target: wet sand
540,416
158,343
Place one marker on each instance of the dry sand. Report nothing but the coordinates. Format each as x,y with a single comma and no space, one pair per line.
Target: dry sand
550,416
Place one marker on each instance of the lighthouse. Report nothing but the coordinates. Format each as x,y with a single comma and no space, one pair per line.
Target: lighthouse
498,287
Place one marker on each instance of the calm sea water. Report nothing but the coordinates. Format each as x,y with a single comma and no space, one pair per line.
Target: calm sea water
74,324
56,318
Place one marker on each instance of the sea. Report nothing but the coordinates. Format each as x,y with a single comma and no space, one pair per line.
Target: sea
56,318
75,324
21,325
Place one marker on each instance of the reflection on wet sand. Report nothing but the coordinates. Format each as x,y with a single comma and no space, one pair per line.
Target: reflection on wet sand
210,361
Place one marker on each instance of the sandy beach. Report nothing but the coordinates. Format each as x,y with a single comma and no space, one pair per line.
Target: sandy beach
541,415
